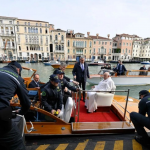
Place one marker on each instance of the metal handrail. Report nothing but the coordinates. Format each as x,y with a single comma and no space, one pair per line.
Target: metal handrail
125,109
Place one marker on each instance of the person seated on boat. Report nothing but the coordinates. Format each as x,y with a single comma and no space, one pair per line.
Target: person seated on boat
52,98
109,67
67,100
139,120
143,72
104,67
35,82
107,84
120,69
63,67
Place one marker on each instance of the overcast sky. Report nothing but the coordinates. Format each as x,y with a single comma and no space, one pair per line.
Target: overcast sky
96,16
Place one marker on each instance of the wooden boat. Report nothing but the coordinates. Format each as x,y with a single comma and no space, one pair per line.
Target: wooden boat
132,77
115,121
96,63
6,61
69,66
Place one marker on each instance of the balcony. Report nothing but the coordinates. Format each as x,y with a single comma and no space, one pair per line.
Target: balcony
79,53
8,48
77,46
62,42
59,51
55,41
7,35
46,44
101,53
31,43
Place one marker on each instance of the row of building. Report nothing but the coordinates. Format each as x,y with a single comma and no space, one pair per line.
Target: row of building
22,39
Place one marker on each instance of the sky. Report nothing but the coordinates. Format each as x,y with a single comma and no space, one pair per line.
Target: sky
95,16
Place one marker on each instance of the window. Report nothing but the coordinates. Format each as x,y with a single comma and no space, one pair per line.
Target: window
55,37
85,43
102,43
68,43
58,33
25,29
48,54
94,50
105,43
42,49
36,30
45,25
126,50
27,48
127,44
74,51
123,43
129,51
94,42
10,22
40,30
1,21
62,37
27,54
25,23
110,43
120,44
47,48
36,24
90,51
20,53
46,31
42,53
99,42
50,37
29,30
17,22
17,29
20,48
62,47
59,47
40,24
85,51
28,23
90,44
46,39
68,50
56,47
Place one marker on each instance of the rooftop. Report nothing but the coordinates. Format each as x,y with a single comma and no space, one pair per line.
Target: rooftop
99,37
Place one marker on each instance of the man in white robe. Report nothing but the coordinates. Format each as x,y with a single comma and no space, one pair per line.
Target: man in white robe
107,84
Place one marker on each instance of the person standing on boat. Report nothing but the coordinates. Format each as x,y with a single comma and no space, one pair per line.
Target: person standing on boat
80,73
63,67
52,98
120,68
10,84
67,99
139,120
107,84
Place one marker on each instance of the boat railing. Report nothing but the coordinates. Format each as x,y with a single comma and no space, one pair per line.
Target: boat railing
138,72
77,99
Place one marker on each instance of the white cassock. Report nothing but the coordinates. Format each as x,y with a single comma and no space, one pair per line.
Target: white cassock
104,85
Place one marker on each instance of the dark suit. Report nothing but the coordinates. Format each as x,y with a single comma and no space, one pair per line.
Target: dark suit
81,75
143,73
33,84
121,69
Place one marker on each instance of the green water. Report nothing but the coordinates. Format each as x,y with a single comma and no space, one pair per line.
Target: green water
46,71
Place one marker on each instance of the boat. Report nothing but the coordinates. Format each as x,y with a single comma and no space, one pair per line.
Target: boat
51,63
114,120
96,63
5,61
27,61
131,78
68,66
145,62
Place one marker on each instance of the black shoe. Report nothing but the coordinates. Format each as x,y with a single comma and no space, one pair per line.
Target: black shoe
142,140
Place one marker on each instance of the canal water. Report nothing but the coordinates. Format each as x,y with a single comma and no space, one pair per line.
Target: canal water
46,71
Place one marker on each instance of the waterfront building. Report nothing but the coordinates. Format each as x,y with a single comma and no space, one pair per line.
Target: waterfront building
57,44
102,47
8,47
141,49
124,46
78,45
32,37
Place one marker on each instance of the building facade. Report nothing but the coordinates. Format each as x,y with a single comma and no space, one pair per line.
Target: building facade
8,47
141,49
124,46
32,39
78,45
57,44
102,47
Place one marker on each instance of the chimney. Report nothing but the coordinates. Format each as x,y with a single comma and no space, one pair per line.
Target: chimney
71,33
88,34
97,35
108,35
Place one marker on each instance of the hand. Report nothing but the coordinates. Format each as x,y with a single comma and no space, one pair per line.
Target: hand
78,90
17,111
58,110
37,87
65,89
74,77
53,111
93,87
75,82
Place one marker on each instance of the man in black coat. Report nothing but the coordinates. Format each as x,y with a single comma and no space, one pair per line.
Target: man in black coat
140,120
120,69
143,72
81,72
35,82
10,84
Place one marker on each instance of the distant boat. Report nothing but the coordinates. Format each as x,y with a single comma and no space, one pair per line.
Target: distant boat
69,66
27,61
6,61
145,62
51,63
96,63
